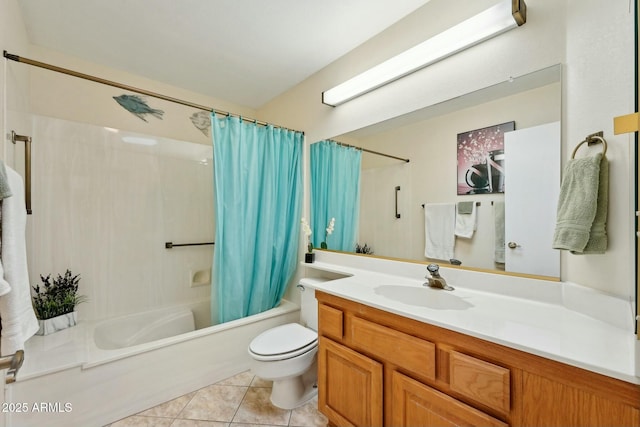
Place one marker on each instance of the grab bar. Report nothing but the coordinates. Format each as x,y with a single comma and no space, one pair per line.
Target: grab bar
27,167
13,363
170,245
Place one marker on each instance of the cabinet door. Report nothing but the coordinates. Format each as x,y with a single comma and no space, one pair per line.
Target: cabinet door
416,404
349,386
550,403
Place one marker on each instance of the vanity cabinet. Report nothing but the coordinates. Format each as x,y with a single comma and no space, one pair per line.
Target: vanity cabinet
376,368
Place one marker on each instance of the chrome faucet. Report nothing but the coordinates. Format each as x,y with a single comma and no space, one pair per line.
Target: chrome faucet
436,280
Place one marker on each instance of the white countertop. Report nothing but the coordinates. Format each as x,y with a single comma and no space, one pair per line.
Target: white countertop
545,327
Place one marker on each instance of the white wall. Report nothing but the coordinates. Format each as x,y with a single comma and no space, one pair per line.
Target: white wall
104,209
592,39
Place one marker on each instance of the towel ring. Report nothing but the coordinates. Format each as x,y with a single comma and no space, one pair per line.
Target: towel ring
591,140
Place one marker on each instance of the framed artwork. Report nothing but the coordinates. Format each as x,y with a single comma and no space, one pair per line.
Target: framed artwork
481,159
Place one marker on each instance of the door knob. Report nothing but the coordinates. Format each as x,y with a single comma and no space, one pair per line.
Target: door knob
513,245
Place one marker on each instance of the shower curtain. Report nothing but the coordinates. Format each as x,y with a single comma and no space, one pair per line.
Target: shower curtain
335,193
258,193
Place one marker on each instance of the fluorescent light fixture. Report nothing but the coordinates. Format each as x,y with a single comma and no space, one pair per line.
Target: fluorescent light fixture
497,19
139,140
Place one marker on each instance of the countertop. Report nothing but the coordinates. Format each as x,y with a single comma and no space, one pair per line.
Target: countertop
549,329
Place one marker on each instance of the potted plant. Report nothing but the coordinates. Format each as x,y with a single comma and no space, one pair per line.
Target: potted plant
309,256
364,249
55,301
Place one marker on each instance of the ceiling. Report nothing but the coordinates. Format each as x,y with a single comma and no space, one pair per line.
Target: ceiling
243,51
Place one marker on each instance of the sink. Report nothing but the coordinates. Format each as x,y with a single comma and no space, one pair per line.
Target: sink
423,297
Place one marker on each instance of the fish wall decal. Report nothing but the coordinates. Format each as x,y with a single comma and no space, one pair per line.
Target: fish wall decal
202,121
137,106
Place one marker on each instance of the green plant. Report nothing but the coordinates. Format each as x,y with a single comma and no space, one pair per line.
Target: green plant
365,249
56,297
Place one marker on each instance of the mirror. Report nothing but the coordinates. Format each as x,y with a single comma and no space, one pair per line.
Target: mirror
393,192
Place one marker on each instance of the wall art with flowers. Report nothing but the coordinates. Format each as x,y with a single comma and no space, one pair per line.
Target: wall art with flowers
481,159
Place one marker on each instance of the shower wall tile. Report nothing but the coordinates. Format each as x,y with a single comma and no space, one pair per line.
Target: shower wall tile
104,208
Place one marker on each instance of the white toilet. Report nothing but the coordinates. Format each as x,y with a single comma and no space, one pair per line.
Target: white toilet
286,355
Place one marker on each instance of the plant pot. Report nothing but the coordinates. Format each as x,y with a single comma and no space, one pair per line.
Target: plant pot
309,257
58,323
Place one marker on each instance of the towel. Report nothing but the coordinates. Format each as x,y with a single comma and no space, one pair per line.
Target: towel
597,243
5,188
498,221
578,204
466,219
439,225
19,321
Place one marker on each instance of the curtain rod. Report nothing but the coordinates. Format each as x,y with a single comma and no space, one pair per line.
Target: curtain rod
371,151
66,71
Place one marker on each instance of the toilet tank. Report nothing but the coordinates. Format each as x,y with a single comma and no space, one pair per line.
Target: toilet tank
308,303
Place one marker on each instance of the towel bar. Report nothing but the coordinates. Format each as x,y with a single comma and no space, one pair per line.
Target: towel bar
13,363
594,138
27,167
477,204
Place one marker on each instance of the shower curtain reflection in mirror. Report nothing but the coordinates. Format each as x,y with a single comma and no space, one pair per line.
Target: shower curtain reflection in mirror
335,193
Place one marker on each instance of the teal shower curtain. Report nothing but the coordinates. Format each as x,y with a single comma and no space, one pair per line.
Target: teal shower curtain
335,193
258,193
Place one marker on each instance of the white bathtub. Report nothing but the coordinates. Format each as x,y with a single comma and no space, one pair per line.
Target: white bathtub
142,328
106,374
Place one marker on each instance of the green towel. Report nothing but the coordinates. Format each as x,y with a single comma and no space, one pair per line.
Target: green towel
5,190
578,203
597,243
465,208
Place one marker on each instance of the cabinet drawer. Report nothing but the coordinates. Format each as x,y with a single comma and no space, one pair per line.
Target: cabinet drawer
408,352
330,322
416,404
481,381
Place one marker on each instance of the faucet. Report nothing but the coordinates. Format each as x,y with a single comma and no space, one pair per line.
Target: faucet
436,280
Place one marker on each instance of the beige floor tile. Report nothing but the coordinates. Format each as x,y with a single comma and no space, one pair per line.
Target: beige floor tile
169,409
214,403
198,423
259,382
307,415
256,408
140,421
242,379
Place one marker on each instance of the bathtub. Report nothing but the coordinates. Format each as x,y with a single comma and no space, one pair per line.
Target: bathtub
99,372
142,328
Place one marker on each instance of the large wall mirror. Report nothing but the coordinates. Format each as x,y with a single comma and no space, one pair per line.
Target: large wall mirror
525,177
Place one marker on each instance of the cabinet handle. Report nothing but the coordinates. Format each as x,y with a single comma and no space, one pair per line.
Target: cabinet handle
397,190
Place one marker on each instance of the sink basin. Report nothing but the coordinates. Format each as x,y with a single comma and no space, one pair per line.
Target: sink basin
423,297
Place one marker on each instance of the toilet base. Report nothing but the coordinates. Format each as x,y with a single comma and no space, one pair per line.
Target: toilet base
293,392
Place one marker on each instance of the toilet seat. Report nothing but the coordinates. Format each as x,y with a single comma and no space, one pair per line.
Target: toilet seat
283,342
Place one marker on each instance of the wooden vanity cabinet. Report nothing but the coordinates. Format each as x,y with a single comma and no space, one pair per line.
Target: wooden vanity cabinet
376,368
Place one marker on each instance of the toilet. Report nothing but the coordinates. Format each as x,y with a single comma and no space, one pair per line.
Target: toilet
286,354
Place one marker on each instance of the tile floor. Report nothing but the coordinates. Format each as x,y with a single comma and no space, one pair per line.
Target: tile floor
239,401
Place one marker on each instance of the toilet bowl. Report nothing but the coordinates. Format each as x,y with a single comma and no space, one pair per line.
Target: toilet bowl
286,355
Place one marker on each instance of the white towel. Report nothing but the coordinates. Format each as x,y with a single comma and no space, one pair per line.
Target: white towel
439,225
19,321
466,224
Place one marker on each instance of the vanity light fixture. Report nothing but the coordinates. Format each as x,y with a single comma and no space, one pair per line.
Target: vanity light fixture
497,19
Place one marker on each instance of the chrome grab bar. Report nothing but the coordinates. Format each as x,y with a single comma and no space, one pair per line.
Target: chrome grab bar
27,167
13,364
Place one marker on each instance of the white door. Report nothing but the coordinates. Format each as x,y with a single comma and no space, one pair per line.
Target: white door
532,175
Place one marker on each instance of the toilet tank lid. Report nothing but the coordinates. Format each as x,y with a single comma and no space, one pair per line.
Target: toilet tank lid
283,339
